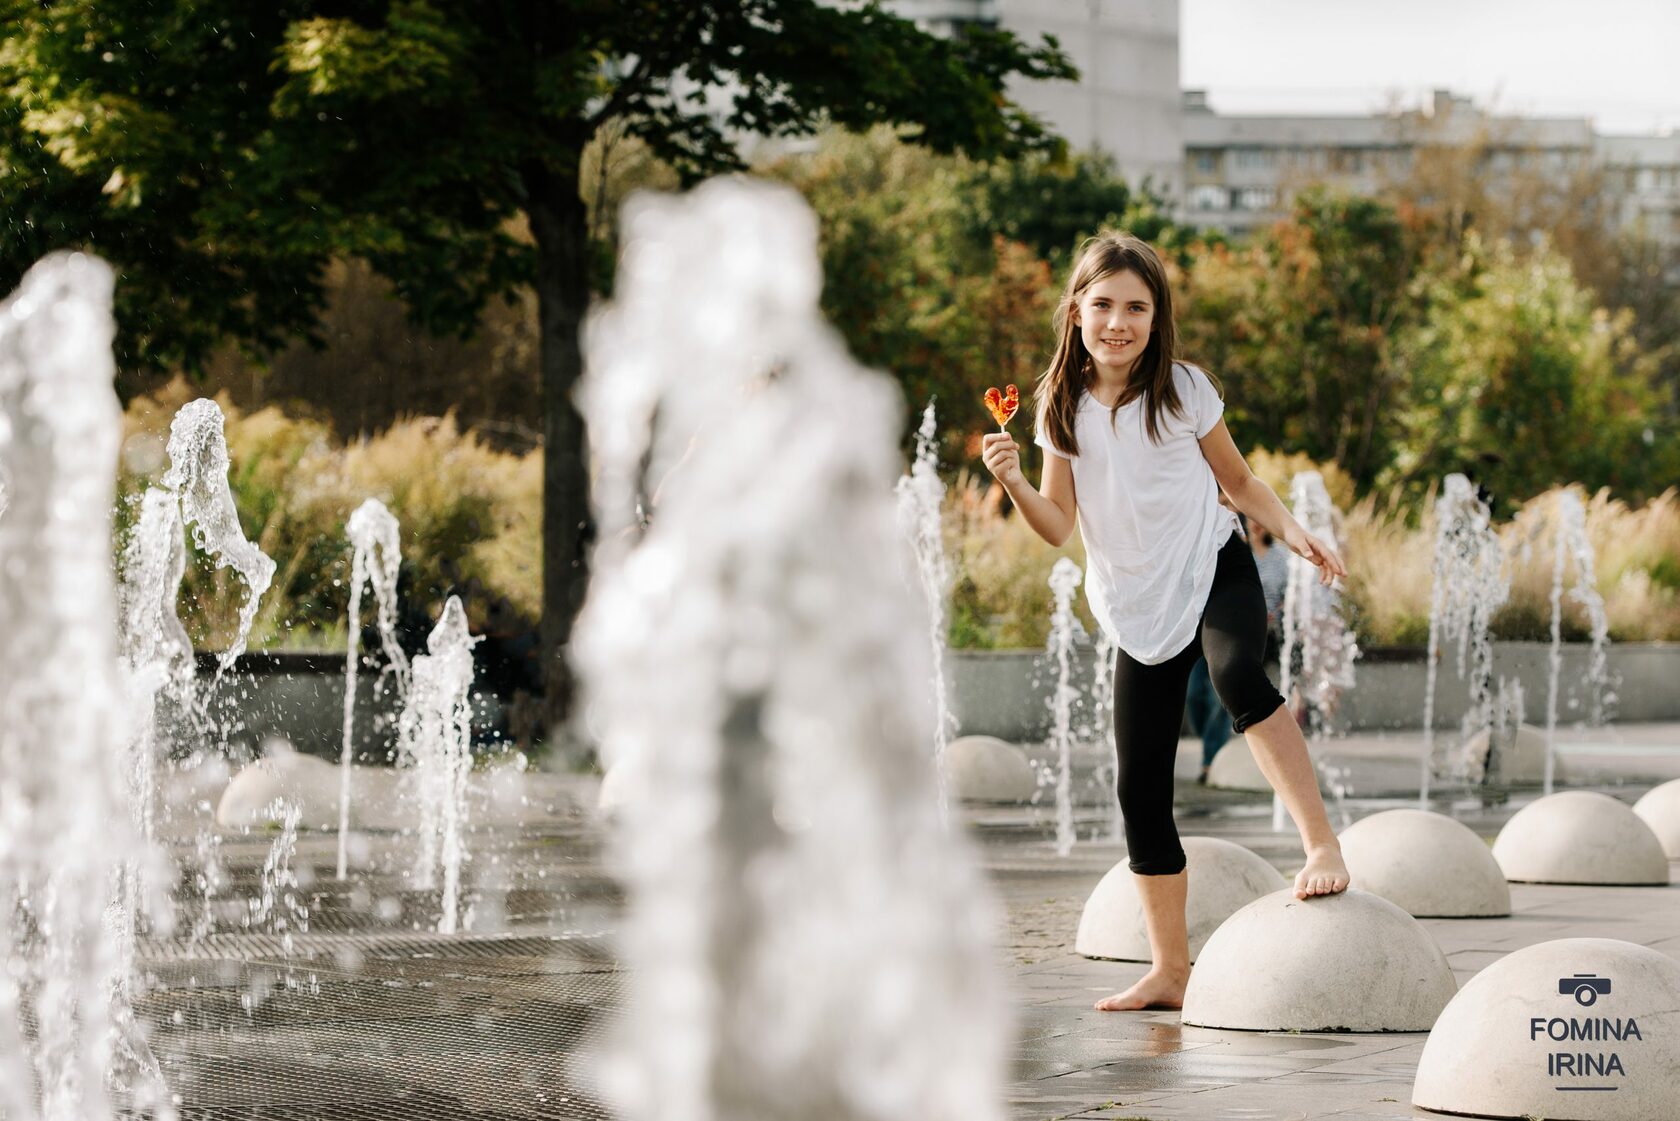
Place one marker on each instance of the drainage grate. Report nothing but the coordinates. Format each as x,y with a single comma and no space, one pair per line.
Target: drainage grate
421,1029
369,1016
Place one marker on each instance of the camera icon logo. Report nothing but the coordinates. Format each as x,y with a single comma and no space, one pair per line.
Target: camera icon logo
1585,987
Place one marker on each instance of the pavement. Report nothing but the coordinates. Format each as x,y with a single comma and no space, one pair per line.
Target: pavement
366,1014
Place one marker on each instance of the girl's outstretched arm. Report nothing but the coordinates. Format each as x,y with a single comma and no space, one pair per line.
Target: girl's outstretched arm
1258,501
1049,510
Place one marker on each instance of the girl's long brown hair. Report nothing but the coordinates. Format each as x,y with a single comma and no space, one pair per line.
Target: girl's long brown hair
1056,397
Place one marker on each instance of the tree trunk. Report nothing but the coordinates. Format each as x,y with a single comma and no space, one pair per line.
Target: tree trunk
559,226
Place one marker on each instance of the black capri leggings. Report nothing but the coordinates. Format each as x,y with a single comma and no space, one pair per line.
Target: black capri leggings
1149,705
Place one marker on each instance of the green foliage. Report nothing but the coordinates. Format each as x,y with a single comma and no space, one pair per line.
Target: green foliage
222,154
909,282
469,520
1051,205
1001,596
1299,326
943,272
1520,380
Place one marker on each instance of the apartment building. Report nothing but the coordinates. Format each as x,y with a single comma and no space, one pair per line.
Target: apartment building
1241,171
1644,173
1126,102
1236,173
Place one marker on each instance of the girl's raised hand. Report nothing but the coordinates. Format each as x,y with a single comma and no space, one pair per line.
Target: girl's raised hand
1304,544
1002,457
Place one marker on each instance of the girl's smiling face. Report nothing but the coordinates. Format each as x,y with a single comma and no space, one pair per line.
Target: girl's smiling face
1115,315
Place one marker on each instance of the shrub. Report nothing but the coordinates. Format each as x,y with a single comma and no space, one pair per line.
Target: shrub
470,516
1002,598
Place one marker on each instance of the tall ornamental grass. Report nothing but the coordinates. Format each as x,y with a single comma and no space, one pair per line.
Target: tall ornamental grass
1002,598
470,516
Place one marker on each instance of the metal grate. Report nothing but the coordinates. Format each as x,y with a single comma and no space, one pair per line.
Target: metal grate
371,1016
474,1028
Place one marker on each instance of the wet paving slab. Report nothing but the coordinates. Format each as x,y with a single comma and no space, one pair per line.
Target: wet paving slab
368,1014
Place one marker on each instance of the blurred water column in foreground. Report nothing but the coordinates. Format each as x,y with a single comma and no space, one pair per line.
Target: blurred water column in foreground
65,827
804,938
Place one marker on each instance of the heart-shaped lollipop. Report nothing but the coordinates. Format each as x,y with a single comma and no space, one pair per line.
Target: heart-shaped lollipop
1003,405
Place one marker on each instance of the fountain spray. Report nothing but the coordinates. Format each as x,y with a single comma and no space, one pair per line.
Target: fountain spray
1469,585
66,1030
198,472
1313,623
1572,545
921,501
1064,578
804,937
376,544
434,736
1102,729
158,657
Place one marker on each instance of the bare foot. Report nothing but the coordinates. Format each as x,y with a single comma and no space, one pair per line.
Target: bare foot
1159,988
1325,873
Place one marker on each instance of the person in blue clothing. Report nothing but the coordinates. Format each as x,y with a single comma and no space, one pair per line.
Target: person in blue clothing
1208,718
1136,454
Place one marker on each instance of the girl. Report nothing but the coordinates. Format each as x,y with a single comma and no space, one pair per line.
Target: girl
1136,454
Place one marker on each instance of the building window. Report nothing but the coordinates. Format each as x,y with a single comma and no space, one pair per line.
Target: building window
1255,198
1252,159
1347,161
1207,162
1207,196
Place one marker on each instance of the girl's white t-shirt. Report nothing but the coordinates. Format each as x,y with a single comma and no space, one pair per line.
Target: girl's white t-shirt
1149,515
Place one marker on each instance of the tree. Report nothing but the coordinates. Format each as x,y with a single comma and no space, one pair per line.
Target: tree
1052,204
222,154
1499,183
911,286
1299,324
1521,379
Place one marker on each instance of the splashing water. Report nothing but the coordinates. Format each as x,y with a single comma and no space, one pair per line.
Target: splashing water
921,500
1064,578
434,735
198,475
198,470
1469,585
158,656
803,935
1312,620
66,1031
1102,729
376,544
279,906
1507,714
1572,545
1313,623
210,879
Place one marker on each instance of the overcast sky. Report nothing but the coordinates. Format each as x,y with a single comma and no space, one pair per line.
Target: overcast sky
1617,61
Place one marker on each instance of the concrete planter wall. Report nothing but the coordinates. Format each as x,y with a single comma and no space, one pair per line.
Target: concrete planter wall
1006,693
301,697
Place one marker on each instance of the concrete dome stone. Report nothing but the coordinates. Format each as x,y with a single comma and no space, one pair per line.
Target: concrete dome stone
1580,837
1349,962
1234,768
1427,864
1522,756
987,769
1660,809
312,785
1536,1026
1224,877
